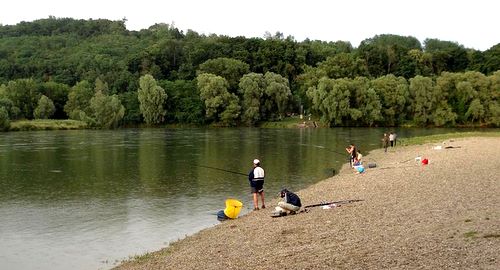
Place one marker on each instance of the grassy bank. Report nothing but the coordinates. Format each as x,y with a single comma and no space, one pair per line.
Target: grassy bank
447,136
46,124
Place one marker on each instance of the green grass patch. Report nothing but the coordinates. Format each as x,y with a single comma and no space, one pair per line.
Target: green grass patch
46,124
471,234
447,136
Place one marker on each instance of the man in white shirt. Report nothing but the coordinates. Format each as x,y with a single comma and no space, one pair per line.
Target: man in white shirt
256,178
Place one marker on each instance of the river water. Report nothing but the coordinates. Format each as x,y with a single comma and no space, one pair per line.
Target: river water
89,199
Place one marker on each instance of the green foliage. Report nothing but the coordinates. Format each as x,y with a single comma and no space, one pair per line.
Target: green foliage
24,95
230,69
107,111
46,124
12,110
277,94
45,108
58,54
58,93
252,86
331,99
421,90
78,103
393,93
367,103
131,104
384,54
219,103
343,65
151,98
4,119
184,104
446,55
491,60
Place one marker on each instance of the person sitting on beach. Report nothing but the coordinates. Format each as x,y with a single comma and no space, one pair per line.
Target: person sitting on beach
359,169
290,203
357,159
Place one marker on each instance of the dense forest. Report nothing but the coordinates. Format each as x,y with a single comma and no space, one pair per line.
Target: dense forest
99,72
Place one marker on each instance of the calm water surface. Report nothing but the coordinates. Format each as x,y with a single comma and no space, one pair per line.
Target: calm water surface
88,199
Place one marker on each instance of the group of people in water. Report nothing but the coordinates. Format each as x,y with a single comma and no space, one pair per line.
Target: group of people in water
291,203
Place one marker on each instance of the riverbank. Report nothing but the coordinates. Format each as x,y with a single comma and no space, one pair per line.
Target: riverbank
444,215
46,124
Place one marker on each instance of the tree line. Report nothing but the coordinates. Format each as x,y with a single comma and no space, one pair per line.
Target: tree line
99,72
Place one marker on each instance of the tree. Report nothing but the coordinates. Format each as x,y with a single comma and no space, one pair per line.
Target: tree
131,104
277,94
4,119
367,105
107,111
184,104
331,100
252,86
24,94
151,98
421,89
475,111
344,65
446,55
493,111
45,108
58,93
219,103
230,69
393,93
78,103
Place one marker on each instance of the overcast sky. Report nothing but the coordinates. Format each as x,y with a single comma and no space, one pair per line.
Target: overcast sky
472,23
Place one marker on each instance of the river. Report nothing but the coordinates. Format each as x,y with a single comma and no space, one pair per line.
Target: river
88,199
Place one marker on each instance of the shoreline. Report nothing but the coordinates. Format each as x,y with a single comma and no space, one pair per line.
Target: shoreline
442,215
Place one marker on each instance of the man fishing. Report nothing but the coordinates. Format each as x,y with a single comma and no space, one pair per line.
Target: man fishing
256,178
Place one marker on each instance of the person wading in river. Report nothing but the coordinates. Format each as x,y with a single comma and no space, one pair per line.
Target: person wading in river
256,178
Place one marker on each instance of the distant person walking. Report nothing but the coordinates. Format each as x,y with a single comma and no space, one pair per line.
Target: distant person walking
256,178
391,139
385,142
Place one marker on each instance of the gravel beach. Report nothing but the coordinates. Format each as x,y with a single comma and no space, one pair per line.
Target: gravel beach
444,215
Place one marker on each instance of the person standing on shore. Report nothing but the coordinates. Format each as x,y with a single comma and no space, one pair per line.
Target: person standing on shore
391,139
385,142
256,178
394,136
351,149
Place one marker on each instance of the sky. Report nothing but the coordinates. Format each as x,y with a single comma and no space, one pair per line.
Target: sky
471,23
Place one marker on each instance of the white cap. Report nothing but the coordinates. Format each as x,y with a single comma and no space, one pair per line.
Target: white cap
256,161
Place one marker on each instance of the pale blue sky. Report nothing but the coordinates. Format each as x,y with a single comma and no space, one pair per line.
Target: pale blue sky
474,24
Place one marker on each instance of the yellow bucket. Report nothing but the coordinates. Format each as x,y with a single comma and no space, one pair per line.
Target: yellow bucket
233,208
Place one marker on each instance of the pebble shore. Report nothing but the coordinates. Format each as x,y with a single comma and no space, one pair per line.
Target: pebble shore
444,215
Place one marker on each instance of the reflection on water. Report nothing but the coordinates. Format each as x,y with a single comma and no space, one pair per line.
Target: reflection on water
87,199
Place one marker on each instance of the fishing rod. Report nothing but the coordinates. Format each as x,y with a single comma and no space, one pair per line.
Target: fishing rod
328,203
324,148
214,168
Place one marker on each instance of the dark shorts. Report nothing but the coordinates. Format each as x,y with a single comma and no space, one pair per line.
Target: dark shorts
257,187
